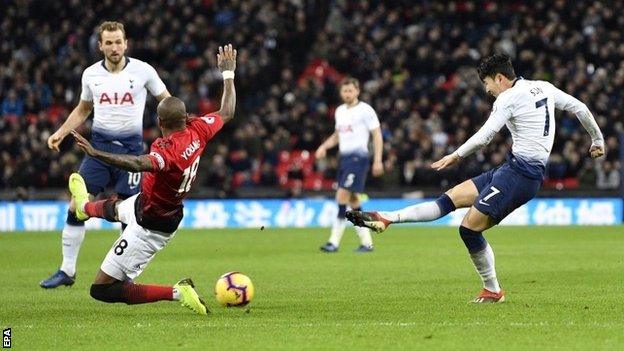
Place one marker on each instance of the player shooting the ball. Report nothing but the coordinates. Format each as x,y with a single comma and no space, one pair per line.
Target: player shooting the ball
153,215
527,108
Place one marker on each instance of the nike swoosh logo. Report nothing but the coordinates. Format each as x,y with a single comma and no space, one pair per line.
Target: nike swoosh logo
97,84
483,203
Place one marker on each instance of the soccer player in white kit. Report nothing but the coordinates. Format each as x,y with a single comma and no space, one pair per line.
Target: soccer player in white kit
527,108
355,122
116,87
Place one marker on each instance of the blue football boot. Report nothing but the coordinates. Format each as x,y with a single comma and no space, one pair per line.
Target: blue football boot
329,247
57,279
363,248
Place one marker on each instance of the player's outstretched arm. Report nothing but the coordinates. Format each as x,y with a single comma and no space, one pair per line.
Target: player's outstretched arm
500,114
226,60
567,102
130,163
75,118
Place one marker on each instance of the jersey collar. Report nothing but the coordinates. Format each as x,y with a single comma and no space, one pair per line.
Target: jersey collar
124,67
516,81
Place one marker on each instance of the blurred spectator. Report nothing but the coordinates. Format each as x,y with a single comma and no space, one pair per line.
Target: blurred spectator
12,105
607,176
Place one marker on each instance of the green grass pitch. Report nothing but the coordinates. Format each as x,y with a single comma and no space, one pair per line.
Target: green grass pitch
565,289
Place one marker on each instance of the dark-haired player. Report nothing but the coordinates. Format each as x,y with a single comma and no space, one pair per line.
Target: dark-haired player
152,216
527,108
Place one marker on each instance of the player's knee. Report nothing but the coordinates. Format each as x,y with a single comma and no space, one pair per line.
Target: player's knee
473,240
355,204
463,195
343,196
107,292
110,210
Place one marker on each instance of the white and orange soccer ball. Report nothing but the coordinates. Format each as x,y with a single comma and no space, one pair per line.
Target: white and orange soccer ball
234,289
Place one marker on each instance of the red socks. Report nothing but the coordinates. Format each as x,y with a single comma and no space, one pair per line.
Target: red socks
137,293
103,209
95,208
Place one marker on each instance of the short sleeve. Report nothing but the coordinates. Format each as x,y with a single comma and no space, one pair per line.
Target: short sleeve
371,119
158,158
86,94
154,84
209,125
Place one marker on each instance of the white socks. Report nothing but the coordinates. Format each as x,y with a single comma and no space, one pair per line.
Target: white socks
176,295
72,239
484,263
337,230
423,212
365,236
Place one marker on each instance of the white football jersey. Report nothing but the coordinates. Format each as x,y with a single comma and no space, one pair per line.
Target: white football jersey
119,98
528,111
354,125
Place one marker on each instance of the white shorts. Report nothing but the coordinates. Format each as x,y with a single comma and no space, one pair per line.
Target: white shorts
136,246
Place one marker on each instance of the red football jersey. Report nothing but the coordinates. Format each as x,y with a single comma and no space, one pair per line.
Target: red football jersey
175,159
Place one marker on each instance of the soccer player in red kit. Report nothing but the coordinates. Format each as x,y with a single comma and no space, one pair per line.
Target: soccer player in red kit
152,216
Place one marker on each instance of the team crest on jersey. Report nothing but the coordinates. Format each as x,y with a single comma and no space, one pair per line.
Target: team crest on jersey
164,143
116,99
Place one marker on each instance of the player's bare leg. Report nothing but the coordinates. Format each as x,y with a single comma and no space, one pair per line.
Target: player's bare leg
108,289
342,198
366,242
460,196
481,254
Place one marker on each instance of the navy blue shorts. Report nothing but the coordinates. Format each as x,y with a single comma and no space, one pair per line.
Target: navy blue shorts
352,172
502,190
99,175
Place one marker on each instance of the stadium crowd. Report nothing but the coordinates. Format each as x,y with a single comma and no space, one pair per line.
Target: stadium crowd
415,61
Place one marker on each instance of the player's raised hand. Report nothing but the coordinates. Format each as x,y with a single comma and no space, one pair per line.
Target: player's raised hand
82,143
445,162
226,58
55,140
596,151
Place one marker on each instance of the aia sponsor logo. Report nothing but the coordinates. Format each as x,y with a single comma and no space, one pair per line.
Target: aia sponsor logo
345,128
116,99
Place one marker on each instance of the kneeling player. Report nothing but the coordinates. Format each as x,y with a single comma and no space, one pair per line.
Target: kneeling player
152,216
528,109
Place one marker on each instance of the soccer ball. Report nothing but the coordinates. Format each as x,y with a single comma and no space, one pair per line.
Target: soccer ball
234,289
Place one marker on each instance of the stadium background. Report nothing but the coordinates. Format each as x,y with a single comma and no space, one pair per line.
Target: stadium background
415,61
